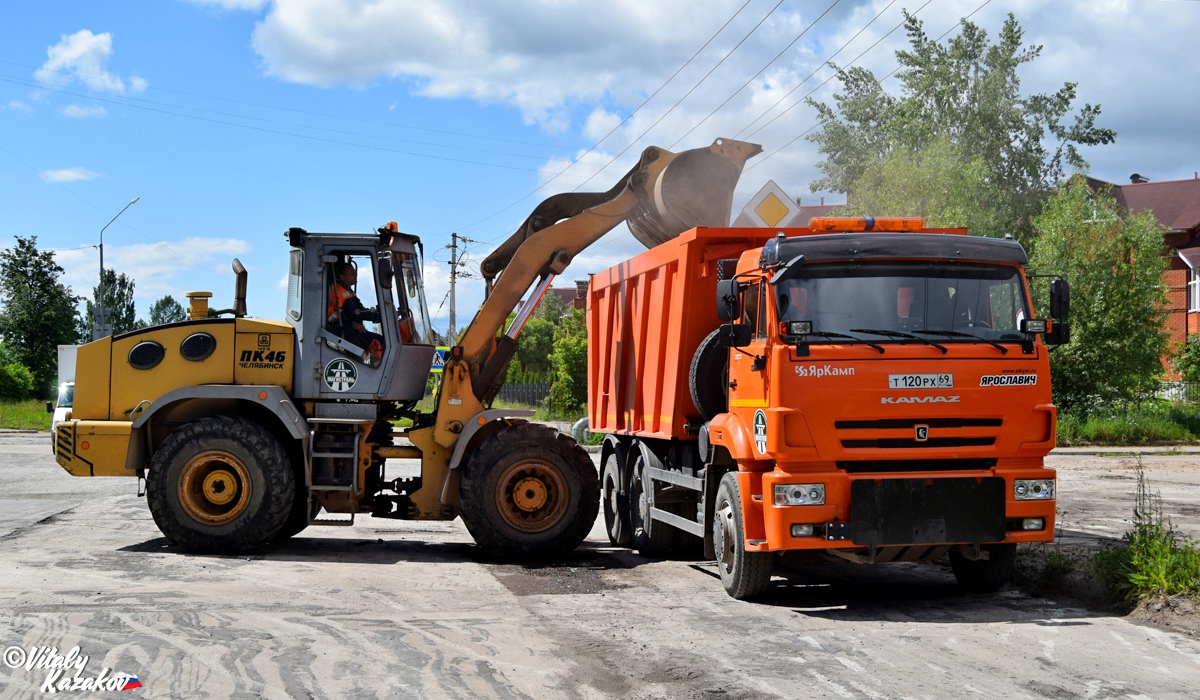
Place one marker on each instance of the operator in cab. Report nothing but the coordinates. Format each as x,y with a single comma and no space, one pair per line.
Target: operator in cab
346,313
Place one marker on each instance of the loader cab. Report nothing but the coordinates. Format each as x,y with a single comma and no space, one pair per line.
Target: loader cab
357,304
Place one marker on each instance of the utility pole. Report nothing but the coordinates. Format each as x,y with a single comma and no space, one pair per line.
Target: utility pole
100,311
455,261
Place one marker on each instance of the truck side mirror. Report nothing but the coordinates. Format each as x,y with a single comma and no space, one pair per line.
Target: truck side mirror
729,300
734,335
1060,300
1060,311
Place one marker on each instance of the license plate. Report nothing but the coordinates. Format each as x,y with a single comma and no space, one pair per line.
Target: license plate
920,381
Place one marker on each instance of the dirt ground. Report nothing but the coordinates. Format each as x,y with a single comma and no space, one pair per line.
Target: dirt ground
410,610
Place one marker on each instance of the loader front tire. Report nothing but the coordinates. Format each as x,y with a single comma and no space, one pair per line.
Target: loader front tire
529,492
220,484
744,574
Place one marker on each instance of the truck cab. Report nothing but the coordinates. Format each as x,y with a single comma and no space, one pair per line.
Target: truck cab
878,394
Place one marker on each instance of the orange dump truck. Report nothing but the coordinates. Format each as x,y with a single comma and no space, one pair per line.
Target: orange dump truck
867,387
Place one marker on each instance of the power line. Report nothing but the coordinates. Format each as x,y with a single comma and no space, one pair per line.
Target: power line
290,109
612,131
760,72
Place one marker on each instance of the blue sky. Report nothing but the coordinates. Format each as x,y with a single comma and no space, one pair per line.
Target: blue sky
235,119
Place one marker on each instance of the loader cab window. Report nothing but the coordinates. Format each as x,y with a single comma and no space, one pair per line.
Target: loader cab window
352,304
295,284
412,315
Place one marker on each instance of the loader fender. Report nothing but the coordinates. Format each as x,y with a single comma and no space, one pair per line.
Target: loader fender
728,431
271,397
477,423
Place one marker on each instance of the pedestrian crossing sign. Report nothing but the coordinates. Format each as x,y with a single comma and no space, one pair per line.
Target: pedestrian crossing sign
439,358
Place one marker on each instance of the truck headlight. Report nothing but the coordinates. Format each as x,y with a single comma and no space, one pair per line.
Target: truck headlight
799,494
1033,489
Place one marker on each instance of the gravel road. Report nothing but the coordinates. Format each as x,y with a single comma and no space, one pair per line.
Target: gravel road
395,609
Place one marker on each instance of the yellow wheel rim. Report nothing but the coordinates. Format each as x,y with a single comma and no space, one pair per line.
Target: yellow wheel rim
214,487
531,496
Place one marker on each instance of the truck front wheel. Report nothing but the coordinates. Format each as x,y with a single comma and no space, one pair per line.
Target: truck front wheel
220,484
529,492
744,574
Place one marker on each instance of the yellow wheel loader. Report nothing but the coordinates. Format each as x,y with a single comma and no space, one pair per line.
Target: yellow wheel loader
245,430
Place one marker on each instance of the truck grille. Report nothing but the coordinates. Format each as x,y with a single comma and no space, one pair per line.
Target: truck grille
915,465
904,443
897,443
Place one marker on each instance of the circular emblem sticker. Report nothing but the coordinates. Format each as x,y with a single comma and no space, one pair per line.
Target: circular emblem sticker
340,374
760,431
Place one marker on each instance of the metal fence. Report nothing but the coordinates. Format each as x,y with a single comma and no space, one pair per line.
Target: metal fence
1179,391
525,394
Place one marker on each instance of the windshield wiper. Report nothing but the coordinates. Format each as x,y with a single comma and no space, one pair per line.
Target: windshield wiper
960,334
900,334
843,336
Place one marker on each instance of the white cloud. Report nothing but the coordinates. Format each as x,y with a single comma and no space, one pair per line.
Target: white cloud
154,267
234,4
81,58
80,112
68,175
19,106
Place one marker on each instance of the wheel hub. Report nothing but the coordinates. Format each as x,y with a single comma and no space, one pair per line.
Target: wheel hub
531,496
723,531
214,487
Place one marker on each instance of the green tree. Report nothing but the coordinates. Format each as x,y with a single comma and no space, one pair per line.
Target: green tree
166,310
967,93
118,297
551,308
39,311
568,392
534,346
1114,265
936,183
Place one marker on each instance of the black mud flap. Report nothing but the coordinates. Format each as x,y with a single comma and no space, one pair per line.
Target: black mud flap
926,511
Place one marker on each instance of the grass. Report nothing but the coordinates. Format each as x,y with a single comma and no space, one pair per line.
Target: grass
1149,423
1154,561
24,415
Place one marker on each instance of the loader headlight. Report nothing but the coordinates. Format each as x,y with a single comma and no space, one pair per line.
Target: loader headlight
799,494
1033,489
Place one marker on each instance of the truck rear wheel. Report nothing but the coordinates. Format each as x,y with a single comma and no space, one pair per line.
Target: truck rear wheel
220,484
650,538
708,377
744,574
529,491
985,575
616,505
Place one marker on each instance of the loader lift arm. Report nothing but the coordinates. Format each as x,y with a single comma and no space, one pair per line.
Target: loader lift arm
662,196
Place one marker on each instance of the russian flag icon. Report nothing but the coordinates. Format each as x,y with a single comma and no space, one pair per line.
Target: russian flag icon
131,683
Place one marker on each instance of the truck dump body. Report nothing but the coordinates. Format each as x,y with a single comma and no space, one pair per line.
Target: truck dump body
646,317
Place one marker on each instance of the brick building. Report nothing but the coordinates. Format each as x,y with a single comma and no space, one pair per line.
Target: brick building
1176,205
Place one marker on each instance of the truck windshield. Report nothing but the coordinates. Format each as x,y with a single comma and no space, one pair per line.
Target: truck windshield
946,302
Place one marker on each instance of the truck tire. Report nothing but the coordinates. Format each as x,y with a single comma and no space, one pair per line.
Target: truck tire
616,505
985,575
220,484
650,538
744,574
708,377
529,492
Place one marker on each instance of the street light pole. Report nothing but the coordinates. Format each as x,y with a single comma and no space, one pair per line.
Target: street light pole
98,331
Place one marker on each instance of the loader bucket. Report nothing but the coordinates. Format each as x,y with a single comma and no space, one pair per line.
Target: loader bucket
695,189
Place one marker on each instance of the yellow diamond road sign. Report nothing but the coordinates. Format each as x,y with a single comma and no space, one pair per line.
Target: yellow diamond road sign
771,207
